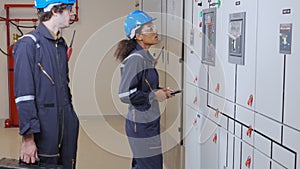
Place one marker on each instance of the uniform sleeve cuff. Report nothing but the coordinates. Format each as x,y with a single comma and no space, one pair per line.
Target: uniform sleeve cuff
32,127
151,97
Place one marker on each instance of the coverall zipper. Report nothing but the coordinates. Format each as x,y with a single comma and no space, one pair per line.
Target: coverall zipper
62,95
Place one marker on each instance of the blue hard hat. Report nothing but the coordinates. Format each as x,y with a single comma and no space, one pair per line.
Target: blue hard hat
135,20
45,3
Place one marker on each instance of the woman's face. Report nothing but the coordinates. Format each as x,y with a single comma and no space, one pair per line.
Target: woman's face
148,35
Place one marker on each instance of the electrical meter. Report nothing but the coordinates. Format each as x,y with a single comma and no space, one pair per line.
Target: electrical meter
209,36
237,38
285,39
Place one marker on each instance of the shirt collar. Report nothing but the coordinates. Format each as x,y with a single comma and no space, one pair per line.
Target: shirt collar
144,52
55,36
46,32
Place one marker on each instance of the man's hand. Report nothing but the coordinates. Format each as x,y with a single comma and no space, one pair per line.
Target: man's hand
28,149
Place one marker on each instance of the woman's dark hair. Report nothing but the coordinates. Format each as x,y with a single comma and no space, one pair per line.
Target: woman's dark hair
124,48
45,16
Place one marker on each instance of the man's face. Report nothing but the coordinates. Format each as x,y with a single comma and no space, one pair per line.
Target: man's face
63,19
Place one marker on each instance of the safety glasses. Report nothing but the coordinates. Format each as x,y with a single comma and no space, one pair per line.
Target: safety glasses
149,29
69,7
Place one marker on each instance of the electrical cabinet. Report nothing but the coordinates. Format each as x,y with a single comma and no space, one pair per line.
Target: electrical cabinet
252,82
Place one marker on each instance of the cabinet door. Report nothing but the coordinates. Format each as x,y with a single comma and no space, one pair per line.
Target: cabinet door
174,67
292,81
222,75
261,160
192,96
192,136
270,65
209,145
283,156
230,151
291,139
225,148
246,117
245,87
193,69
173,78
247,156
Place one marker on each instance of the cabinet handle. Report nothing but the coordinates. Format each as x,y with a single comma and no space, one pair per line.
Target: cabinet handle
248,162
217,112
195,100
249,131
215,138
250,100
196,79
217,89
195,121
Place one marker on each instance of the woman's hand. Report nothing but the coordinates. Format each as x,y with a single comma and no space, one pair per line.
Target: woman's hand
155,62
163,94
160,95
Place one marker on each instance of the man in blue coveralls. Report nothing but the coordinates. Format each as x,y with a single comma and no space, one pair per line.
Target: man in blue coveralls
48,124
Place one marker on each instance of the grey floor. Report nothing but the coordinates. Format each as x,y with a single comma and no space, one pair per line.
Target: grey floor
90,154
102,145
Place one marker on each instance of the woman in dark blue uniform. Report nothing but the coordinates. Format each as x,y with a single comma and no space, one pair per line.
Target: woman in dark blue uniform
139,88
48,123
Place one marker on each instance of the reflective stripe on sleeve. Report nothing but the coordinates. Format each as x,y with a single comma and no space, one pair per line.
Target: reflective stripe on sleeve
127,93
24,98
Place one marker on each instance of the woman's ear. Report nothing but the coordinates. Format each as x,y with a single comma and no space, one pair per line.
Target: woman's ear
139,37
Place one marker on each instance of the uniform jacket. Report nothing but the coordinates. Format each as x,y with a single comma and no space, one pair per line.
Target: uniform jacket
41,82
139,79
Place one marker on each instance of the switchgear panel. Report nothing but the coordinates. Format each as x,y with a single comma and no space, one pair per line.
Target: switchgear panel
209,38
285,39
237,38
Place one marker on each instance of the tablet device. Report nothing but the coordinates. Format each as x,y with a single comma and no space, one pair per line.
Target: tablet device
175,92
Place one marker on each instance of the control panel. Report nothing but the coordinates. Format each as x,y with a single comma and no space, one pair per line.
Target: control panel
209,36
236,36
285,39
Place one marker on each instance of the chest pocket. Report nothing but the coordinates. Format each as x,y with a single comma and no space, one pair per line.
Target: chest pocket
38,58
